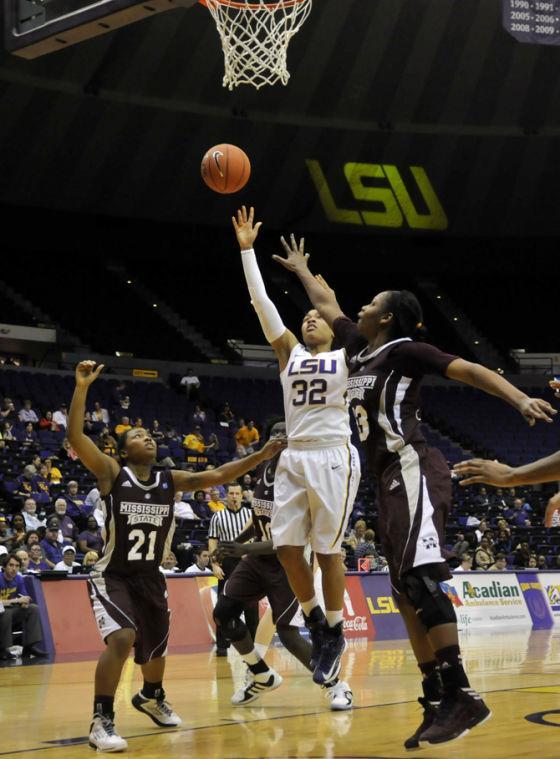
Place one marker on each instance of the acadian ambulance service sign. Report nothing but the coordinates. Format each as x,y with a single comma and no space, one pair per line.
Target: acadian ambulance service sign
551,586
487,599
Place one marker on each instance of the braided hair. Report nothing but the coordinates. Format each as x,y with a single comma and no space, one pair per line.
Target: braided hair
408,318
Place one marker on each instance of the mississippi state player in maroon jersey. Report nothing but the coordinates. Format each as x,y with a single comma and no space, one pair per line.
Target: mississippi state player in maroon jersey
261,574
385,373
127,590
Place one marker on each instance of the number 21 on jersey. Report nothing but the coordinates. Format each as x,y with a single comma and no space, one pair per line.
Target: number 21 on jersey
138,538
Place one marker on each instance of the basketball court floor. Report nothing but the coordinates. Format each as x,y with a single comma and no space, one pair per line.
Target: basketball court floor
44,709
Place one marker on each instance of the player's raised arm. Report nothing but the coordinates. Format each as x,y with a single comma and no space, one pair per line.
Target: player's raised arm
477,471
532,409
280,338
320,294
227,472
102,466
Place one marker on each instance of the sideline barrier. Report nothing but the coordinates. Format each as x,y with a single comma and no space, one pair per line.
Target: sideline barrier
482,600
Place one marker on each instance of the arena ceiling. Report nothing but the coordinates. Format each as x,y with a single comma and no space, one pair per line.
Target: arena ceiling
117,125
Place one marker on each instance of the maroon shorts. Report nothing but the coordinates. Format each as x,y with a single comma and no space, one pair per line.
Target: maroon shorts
414,502
257,577
136,602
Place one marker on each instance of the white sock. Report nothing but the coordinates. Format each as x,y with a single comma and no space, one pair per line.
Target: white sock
307,606
251,658
261,649
334,617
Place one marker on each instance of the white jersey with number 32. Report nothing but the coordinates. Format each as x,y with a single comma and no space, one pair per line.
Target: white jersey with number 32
315,397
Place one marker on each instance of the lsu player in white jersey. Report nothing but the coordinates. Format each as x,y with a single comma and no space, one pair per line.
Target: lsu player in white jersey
318,474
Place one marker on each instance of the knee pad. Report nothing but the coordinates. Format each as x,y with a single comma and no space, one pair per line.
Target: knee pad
431,604
227,615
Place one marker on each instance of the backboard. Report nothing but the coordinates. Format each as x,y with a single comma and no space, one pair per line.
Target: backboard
33,28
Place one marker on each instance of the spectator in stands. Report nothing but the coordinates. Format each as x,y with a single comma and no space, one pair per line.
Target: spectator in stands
497,499
461,546
484,556
89,426
247,437
118,394
517,515
138,423
76,504
169,564
481,500
247,487
501,524
67,451
36,561
542,563
200,506
68,529
29,513
52,549
367,548
123,426
532,562
54,474
201,561
500,564
60,417
90,560
5,534
357,534
25,481
107,443
68,563
510,497
94,507
7,431
90,539
552,514
32,538
522,555
190,384
481,530
48,424
29,436
199,416
125,403
226,416
40,480
215,503
503,543
194,442
100,414
343,556
27,414
23,556
18,610
18,532
466,563
213,446
156,432
183,510
8,412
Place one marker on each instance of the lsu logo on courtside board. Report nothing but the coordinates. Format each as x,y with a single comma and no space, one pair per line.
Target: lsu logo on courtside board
384,198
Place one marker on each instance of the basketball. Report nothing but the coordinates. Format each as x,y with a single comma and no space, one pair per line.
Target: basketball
226,169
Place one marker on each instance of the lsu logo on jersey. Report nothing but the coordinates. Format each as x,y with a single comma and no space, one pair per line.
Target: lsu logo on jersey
312,366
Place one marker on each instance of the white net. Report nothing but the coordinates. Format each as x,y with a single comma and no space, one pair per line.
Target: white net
255,37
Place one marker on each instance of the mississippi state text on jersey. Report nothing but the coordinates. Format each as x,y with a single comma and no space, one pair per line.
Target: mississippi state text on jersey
384,392
263,500
139,524
315,402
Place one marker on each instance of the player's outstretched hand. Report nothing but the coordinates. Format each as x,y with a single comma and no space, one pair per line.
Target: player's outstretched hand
296,258
535,408
480,470
245,228
86,373
273,447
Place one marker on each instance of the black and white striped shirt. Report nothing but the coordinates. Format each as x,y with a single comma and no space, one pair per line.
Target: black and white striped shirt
228,524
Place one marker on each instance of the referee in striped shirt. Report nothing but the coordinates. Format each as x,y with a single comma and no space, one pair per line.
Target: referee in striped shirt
227,525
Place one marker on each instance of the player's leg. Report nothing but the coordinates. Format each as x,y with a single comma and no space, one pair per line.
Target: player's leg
242,589
332,476
114,615
150,598
265,632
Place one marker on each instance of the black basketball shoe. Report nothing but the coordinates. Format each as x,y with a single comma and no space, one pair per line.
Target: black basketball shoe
430,714
330,659
316,623
458,713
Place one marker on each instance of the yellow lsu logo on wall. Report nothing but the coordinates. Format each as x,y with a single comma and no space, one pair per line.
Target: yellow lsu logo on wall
382,605
392,195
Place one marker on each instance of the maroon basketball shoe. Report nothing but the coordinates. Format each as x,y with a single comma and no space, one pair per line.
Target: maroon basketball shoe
458,713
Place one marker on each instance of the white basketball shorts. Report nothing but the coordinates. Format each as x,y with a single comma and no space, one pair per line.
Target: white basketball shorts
314,491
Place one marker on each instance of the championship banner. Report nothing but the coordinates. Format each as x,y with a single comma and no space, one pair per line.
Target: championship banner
487,599
551,586
535,22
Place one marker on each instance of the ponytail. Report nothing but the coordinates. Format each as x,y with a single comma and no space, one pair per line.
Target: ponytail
408,319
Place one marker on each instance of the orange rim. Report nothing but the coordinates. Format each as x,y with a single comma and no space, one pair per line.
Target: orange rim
274,5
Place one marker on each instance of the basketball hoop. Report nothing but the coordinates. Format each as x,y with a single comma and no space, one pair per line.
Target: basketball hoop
255,38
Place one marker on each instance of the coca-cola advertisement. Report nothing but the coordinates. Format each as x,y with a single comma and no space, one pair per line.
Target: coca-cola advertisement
357,620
